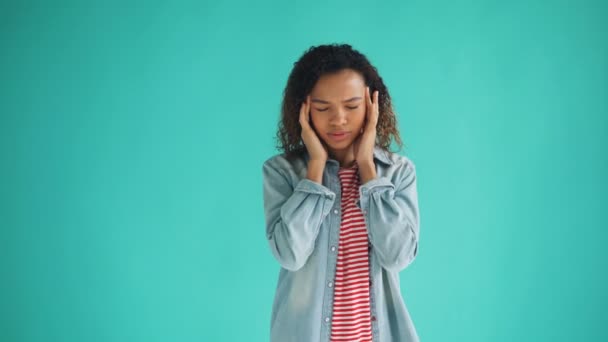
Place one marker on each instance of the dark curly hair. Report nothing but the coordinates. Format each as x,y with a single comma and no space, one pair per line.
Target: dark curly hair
325,59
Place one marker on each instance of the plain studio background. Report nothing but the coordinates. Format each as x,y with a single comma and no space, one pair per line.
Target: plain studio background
132,138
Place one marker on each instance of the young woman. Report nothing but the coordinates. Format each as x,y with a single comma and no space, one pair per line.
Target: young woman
341,209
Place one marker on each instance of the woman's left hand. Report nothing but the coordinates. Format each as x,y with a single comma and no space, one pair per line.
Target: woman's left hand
363,147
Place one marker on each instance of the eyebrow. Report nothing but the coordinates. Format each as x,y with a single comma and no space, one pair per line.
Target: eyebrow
349,100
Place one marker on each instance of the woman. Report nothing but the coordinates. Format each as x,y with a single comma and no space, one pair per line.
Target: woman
341,210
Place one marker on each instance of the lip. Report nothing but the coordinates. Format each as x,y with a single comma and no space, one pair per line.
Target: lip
338,136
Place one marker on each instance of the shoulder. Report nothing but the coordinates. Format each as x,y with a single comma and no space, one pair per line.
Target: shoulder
401,169
278,161
400,161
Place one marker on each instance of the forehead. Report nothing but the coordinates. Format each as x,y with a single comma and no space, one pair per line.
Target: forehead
340,85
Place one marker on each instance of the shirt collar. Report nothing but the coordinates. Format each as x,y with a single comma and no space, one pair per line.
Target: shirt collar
379,154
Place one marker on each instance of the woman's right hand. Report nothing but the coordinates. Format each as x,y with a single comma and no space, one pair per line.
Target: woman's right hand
315,147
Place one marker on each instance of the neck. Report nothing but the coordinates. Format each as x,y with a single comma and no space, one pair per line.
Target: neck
345,157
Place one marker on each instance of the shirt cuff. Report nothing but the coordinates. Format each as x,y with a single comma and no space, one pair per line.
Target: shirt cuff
369,188
375,184
307,185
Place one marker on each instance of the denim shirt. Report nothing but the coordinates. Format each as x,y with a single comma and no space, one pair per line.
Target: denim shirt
302,229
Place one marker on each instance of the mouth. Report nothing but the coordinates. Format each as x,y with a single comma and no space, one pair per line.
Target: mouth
338,136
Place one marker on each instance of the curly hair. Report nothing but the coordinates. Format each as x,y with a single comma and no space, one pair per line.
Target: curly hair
314,63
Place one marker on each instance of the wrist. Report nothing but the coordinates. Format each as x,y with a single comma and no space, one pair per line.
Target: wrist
367,172
315,170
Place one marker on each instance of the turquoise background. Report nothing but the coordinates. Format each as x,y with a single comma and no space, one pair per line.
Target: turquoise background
132,137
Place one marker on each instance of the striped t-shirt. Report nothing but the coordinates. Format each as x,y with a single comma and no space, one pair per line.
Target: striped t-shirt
351,319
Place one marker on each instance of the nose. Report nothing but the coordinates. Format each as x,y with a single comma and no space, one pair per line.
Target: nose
338,117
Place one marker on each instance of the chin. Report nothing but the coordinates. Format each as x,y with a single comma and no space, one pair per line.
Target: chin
339,146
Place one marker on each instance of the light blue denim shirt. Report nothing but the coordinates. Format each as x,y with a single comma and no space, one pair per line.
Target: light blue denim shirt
303,226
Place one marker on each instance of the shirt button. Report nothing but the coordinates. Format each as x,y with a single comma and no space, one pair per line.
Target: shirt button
333,248
326,319
364,212
373,318
336,211
330,284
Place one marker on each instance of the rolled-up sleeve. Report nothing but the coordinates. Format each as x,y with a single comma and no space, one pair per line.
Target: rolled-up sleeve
390,208
293,215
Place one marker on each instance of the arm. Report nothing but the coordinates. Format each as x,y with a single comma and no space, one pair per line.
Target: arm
392,216
293,216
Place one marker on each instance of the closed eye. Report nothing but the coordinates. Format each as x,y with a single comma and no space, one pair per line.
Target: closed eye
324,109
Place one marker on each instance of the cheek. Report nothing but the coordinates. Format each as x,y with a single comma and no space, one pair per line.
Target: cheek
359,116
317,120
320,116
313,118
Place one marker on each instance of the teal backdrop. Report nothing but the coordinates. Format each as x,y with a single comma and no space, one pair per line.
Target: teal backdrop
132,137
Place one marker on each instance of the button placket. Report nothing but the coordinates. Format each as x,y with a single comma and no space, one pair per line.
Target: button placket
335,210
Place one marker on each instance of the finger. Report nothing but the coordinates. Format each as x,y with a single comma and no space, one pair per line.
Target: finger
302,116
376,104
370,109
366,103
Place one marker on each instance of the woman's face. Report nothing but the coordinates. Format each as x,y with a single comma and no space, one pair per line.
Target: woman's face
338,108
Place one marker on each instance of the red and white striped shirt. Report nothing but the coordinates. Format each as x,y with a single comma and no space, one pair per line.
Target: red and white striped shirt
351,308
